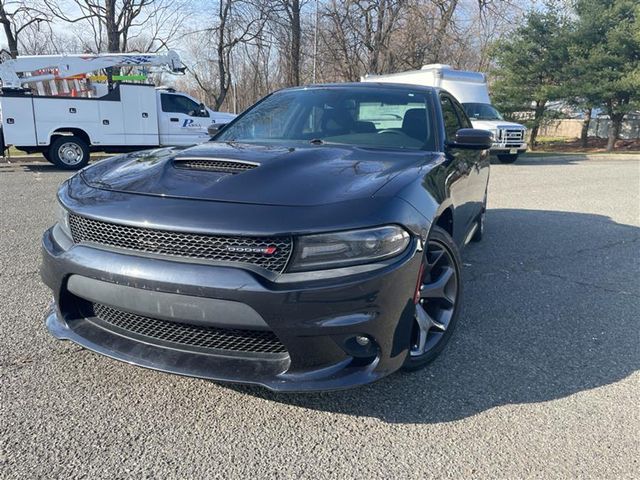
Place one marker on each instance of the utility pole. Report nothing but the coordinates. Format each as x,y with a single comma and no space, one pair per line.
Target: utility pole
315,43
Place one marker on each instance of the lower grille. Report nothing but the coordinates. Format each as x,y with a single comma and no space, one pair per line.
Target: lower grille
270,253
186,335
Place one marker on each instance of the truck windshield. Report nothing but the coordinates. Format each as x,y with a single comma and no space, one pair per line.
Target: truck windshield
481,111
367,117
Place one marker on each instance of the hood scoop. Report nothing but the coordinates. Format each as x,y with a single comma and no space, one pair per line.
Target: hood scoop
219,165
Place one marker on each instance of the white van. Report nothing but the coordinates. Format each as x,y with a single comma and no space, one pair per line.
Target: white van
470,89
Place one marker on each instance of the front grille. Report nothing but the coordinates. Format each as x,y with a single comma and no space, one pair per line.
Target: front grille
214,165
186,335
246,250
513,136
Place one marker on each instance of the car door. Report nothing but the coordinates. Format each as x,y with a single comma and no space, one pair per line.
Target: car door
459,162
478,165
181,121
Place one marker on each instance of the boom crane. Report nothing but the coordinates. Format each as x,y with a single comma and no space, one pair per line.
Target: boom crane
15,73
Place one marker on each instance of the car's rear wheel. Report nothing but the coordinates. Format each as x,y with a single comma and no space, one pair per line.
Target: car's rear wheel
439,298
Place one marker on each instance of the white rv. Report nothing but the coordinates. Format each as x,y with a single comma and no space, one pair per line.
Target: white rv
65,127
470,89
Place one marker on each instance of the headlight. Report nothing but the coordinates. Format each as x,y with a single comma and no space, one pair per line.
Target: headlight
63,220
341,249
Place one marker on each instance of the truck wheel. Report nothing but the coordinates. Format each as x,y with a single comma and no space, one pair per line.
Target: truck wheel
507,158
47,156
69,153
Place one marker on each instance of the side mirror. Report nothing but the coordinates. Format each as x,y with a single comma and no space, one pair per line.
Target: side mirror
215,128
472,139
203,112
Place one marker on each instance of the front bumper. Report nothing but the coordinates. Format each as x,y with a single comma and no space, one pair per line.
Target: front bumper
316,319
508,148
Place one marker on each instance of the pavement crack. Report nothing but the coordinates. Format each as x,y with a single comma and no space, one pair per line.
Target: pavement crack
583,283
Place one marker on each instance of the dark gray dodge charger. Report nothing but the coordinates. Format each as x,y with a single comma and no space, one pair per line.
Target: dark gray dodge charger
313,244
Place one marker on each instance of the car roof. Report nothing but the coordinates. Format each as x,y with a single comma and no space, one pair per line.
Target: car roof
364,86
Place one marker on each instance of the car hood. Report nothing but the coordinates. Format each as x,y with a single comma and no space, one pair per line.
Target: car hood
494,124
312,175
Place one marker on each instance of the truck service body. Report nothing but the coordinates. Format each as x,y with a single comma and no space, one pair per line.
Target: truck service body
128,116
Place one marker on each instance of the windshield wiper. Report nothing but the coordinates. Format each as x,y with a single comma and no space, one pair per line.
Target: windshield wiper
316,141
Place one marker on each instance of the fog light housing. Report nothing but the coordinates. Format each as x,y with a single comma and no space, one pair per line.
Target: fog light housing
360,346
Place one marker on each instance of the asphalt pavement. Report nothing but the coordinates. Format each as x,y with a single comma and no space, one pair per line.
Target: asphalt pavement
540,380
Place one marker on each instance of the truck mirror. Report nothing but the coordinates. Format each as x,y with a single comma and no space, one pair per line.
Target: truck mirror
472,139
215,128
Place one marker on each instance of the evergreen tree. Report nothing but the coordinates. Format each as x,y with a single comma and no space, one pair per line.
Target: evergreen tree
605,58
531,65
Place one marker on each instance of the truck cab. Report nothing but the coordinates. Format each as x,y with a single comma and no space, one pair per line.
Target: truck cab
182,120
471,90
508,137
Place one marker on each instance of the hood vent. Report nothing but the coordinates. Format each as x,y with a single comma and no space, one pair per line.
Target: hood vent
219,165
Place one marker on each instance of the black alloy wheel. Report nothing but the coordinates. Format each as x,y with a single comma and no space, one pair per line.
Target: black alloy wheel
439,297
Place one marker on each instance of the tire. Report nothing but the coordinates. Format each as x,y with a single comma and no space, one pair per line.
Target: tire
440,256
507,158
69,153
47,156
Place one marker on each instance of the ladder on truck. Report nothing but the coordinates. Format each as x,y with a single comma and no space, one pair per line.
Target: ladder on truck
72,73
16,73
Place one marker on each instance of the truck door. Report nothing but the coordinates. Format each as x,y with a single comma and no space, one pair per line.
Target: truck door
181,121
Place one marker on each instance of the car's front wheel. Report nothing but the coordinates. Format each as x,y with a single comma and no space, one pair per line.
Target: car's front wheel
440,290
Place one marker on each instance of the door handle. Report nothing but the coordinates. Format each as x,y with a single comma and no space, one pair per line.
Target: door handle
174,119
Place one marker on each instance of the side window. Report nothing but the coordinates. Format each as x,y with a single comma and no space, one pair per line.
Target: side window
462,116
451,121
178,104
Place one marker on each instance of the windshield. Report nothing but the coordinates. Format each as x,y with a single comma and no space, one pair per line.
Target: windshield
368,117
481,111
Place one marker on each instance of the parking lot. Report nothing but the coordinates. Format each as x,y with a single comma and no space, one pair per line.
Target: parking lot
540,380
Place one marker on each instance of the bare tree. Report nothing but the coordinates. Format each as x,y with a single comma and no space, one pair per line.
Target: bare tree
357,34
285,17
16,17
237,23
115,23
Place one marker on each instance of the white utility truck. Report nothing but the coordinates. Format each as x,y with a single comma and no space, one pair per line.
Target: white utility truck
87,115
470,89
